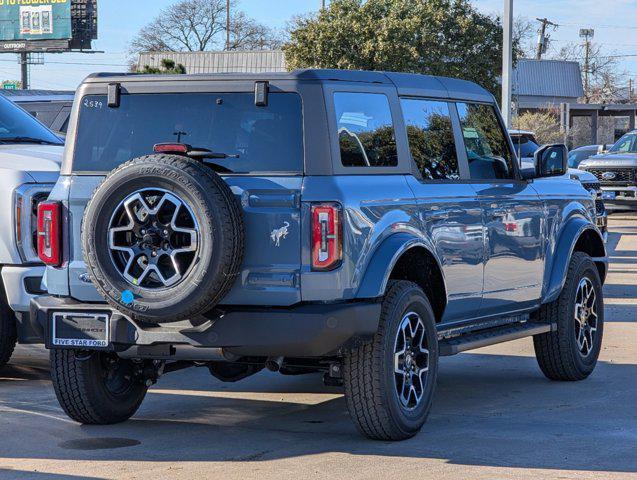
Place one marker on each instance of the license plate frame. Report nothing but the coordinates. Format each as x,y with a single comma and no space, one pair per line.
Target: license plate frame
90,331
606,195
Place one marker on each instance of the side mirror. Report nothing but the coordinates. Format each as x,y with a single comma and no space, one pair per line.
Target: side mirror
550,161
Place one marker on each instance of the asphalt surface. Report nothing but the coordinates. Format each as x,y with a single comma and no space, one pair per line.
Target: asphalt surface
495,416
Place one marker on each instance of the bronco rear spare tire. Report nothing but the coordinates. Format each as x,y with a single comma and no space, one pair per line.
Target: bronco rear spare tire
163,238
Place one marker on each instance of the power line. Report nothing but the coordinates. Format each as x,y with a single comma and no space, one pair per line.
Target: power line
78,63
629,27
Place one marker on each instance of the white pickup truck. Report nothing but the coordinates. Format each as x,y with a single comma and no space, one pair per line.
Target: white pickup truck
30,157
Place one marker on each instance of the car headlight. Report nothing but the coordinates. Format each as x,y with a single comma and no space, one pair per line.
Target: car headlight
25,218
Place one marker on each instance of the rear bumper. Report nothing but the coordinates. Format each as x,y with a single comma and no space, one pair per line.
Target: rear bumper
310,330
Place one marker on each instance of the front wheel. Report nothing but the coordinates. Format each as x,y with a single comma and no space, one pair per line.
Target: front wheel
571,351
390,381
96,388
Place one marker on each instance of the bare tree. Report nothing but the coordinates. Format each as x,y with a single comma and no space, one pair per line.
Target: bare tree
524,36
189,25
248,34
605,80
199,25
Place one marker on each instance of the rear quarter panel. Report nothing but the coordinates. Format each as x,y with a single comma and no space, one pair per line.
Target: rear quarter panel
374,208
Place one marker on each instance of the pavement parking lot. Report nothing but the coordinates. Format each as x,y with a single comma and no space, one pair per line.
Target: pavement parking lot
495,416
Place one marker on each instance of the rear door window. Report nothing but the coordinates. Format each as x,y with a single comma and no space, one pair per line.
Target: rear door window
487,146
431,140
365,130
264,139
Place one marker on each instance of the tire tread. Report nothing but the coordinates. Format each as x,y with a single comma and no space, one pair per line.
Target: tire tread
362,372
553,350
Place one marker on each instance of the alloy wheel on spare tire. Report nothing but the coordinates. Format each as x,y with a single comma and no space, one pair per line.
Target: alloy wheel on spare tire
163,238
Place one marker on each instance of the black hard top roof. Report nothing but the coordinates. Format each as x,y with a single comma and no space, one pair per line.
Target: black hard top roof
406,83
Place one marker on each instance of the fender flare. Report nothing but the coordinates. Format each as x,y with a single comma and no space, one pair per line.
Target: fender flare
384,260
570,235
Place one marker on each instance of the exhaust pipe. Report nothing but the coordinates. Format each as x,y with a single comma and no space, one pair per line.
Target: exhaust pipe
274,364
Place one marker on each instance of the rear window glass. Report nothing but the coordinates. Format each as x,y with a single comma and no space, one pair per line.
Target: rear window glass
266,139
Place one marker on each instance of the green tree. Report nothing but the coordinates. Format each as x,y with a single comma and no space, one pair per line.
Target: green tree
168,66
436,37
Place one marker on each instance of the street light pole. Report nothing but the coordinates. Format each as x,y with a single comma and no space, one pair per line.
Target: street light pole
507,61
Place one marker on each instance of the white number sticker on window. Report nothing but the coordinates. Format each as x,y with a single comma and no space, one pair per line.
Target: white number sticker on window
93,104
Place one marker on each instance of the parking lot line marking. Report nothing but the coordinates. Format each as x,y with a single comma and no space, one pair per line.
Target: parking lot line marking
280,397
38,414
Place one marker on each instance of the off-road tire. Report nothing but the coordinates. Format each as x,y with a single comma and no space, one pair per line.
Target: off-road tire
368,370
8,330
80,388
557,352
221,238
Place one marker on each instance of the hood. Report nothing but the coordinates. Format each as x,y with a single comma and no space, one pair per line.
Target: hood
41,162
582,176
611,160
572,173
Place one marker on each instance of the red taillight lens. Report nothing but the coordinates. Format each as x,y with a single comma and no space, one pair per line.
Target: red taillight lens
327,242
49,233
171,148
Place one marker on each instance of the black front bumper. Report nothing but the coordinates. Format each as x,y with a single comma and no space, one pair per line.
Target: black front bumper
310,330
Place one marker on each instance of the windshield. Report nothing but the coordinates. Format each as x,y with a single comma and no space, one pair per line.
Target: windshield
263,139
575,157
17,126
626,144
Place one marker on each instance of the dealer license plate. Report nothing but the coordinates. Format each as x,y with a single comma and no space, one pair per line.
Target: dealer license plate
85,330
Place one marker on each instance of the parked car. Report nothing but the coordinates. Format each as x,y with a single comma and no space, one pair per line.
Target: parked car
361,224
617,173
51,107
30,157
579,154
525,145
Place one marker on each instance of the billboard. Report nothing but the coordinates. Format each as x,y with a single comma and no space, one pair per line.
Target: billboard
31,20
47,25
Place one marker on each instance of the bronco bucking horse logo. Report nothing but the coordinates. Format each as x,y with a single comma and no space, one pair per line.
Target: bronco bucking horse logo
279,234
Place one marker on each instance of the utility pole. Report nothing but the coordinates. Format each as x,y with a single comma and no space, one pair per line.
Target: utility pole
543,38
630,90
227,24
587,34
24,67
507,61
322,4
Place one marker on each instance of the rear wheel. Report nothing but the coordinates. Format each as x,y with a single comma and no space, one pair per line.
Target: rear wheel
96,388
571,352
390,381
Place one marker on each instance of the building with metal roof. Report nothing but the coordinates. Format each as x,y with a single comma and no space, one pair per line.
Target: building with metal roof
546,83
219,62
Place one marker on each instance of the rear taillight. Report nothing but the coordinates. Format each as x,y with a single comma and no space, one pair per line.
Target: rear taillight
327,242
50,233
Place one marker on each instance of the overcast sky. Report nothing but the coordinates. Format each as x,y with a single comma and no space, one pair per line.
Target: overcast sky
119,20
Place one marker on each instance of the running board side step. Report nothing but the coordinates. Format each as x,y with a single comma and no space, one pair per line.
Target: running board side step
484,338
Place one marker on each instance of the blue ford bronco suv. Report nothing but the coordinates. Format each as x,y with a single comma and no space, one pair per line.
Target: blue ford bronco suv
359,224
